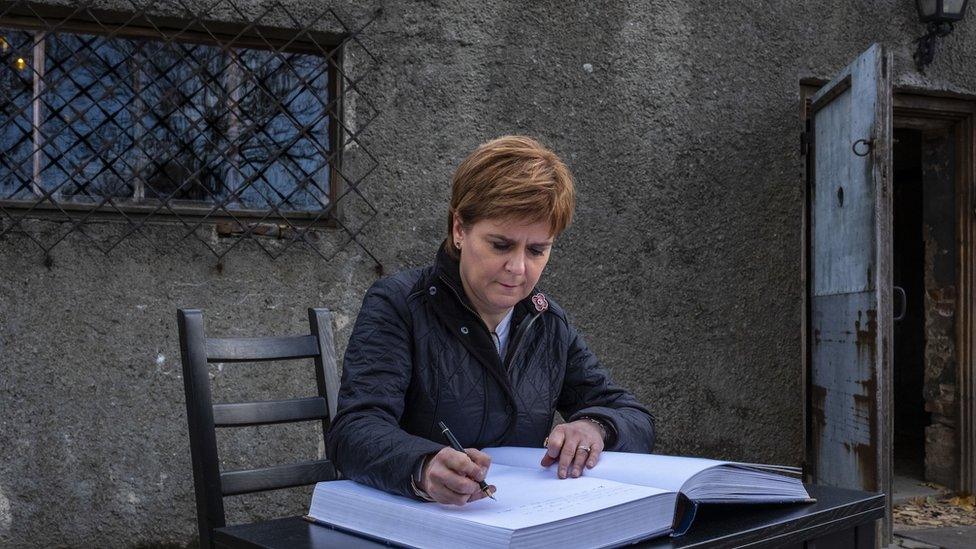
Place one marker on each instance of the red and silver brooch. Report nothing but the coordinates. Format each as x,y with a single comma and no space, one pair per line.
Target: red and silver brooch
540,302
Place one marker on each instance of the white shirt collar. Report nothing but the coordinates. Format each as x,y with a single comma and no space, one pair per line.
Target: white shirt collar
501,333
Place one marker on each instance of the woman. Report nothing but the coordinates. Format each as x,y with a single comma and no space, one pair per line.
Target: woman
471,342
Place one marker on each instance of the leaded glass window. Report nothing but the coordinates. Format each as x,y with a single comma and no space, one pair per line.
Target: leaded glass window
127,119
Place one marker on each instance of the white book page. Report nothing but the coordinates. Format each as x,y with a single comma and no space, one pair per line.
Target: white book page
664,472
528,497
525,498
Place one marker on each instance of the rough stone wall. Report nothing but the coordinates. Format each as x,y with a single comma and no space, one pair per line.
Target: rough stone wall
680,121
941,359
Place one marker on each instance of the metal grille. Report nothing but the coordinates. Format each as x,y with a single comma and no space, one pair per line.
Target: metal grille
226,123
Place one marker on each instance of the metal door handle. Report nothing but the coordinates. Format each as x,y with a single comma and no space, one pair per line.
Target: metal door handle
864,145
904,303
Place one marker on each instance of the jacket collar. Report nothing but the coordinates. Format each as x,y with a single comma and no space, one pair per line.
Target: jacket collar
448,271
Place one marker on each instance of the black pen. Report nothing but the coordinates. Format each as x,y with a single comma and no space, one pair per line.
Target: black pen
457,446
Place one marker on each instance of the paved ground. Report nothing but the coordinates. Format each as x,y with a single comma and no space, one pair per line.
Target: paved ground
928,516
960,537
906,488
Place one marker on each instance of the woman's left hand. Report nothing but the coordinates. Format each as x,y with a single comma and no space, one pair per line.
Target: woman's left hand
574,445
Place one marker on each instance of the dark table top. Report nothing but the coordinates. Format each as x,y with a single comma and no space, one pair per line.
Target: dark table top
836,509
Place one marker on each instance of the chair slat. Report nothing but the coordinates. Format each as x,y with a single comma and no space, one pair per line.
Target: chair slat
279,476
241,414
254,349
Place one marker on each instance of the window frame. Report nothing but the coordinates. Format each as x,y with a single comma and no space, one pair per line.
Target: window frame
212,33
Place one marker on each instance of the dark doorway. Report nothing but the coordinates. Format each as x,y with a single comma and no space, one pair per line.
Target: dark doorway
925,278
908,364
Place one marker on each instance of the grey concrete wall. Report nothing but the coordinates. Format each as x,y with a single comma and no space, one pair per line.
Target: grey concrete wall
680,121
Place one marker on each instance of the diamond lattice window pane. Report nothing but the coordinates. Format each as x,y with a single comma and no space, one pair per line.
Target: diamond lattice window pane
16,92
138,118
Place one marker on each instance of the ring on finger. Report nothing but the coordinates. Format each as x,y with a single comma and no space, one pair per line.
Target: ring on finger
584,448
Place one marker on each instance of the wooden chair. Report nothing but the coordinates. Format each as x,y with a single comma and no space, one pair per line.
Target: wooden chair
203,417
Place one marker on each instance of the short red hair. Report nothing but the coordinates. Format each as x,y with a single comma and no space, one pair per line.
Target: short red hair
511,177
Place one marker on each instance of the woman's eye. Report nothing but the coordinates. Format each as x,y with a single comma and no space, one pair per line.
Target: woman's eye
536,251
500,245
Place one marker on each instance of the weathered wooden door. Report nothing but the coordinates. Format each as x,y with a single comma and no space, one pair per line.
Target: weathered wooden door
850,278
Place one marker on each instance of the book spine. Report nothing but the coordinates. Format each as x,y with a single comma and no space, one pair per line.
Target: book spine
684,514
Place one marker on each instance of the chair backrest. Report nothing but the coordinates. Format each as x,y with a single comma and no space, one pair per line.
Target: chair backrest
203,417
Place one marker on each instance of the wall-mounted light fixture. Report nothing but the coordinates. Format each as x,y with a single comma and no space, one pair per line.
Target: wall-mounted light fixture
939,15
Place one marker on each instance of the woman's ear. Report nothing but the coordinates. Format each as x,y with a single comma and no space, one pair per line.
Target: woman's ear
458,231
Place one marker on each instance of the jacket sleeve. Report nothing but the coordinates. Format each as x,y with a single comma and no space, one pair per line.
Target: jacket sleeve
588,391
365,440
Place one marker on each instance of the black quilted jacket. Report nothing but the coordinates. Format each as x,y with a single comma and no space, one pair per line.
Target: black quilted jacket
419,354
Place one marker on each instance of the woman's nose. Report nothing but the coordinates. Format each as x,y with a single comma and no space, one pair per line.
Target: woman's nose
515,264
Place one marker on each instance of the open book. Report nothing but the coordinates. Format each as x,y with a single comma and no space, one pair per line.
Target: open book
625,498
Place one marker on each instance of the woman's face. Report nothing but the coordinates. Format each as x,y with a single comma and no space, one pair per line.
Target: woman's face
501,261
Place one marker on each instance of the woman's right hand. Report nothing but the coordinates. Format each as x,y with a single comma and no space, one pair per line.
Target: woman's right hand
452,477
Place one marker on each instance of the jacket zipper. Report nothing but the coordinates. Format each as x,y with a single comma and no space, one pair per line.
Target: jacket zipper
513,418
519,336
511,397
